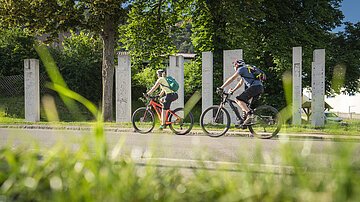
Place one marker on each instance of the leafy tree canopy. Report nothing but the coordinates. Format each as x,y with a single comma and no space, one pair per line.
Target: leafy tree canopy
54,16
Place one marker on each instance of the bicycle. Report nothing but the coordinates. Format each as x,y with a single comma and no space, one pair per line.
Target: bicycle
143,119
215,120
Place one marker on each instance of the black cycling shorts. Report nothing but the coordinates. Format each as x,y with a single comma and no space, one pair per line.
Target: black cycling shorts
169,98
250,92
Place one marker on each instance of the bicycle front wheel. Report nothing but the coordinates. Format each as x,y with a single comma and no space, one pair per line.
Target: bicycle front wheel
143,120
267,123
215,121
181,123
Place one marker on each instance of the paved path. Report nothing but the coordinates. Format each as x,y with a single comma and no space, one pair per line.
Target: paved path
169,149
196,132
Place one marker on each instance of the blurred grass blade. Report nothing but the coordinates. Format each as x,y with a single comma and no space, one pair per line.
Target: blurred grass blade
286,113
50,108
338,77
75,96
190,104
56,78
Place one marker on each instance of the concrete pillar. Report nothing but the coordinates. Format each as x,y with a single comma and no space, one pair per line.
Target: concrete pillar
176,70
123,88
207,82
297,85
32,90
229,57
318,88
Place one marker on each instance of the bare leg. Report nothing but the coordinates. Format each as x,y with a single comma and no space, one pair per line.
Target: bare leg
243,105
163,116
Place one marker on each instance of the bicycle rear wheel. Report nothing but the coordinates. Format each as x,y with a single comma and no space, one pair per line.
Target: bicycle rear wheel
215,121
267,122
181,125
143,120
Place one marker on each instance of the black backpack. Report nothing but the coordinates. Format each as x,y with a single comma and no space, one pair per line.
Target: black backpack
256,72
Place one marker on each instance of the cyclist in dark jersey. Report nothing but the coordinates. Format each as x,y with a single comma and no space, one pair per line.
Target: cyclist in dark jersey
254,87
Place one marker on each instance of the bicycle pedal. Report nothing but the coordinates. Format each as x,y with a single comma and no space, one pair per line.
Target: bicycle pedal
241,126
249,124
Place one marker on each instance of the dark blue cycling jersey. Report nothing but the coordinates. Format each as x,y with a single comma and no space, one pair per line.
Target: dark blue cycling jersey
249,77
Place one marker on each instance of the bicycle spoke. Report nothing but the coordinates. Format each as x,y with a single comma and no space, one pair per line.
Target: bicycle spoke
143,120
267,122
181,124
215,121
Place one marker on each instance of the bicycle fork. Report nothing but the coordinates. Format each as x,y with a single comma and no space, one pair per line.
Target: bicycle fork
218,112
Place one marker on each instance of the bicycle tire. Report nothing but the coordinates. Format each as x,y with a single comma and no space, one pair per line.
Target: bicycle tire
267,122
143,120
183,126
222,121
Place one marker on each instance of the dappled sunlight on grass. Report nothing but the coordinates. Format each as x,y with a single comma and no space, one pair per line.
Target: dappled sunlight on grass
62,173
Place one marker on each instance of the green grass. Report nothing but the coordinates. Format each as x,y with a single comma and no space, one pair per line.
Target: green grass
333,128
14,107
353,127
62,174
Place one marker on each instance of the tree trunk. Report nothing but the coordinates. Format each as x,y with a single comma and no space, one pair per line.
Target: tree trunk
108,37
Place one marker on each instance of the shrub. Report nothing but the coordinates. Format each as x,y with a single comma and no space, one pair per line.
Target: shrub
15,46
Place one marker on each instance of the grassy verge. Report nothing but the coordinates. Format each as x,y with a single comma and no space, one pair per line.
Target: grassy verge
62,174
353,127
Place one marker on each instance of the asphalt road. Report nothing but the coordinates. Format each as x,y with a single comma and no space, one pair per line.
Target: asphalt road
170,149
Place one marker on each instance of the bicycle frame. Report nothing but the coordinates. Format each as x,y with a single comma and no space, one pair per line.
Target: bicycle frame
226,99
158,109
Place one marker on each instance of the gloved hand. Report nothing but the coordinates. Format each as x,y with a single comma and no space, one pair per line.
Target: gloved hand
146,95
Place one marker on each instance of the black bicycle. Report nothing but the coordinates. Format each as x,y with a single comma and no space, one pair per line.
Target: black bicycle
215,120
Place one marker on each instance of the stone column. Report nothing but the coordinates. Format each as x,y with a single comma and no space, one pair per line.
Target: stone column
176,70
207,82
318,88
297,85
229,57
32,90
123,88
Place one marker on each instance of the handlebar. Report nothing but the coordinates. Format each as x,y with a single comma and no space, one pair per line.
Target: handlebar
221,92
150,97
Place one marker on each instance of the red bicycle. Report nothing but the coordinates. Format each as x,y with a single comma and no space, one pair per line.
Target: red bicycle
179,120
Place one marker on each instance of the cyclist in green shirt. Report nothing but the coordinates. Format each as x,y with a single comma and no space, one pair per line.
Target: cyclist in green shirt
169,97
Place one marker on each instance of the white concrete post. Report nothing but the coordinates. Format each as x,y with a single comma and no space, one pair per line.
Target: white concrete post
207,82
123,88
229,57
318,88
32,90
297,85
176,70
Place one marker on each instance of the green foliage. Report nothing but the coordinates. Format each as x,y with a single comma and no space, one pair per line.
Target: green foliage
192,77
38,16
202,27
147,32
52,17
15,46
146,77
79,61
154,30
266,31
345,60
